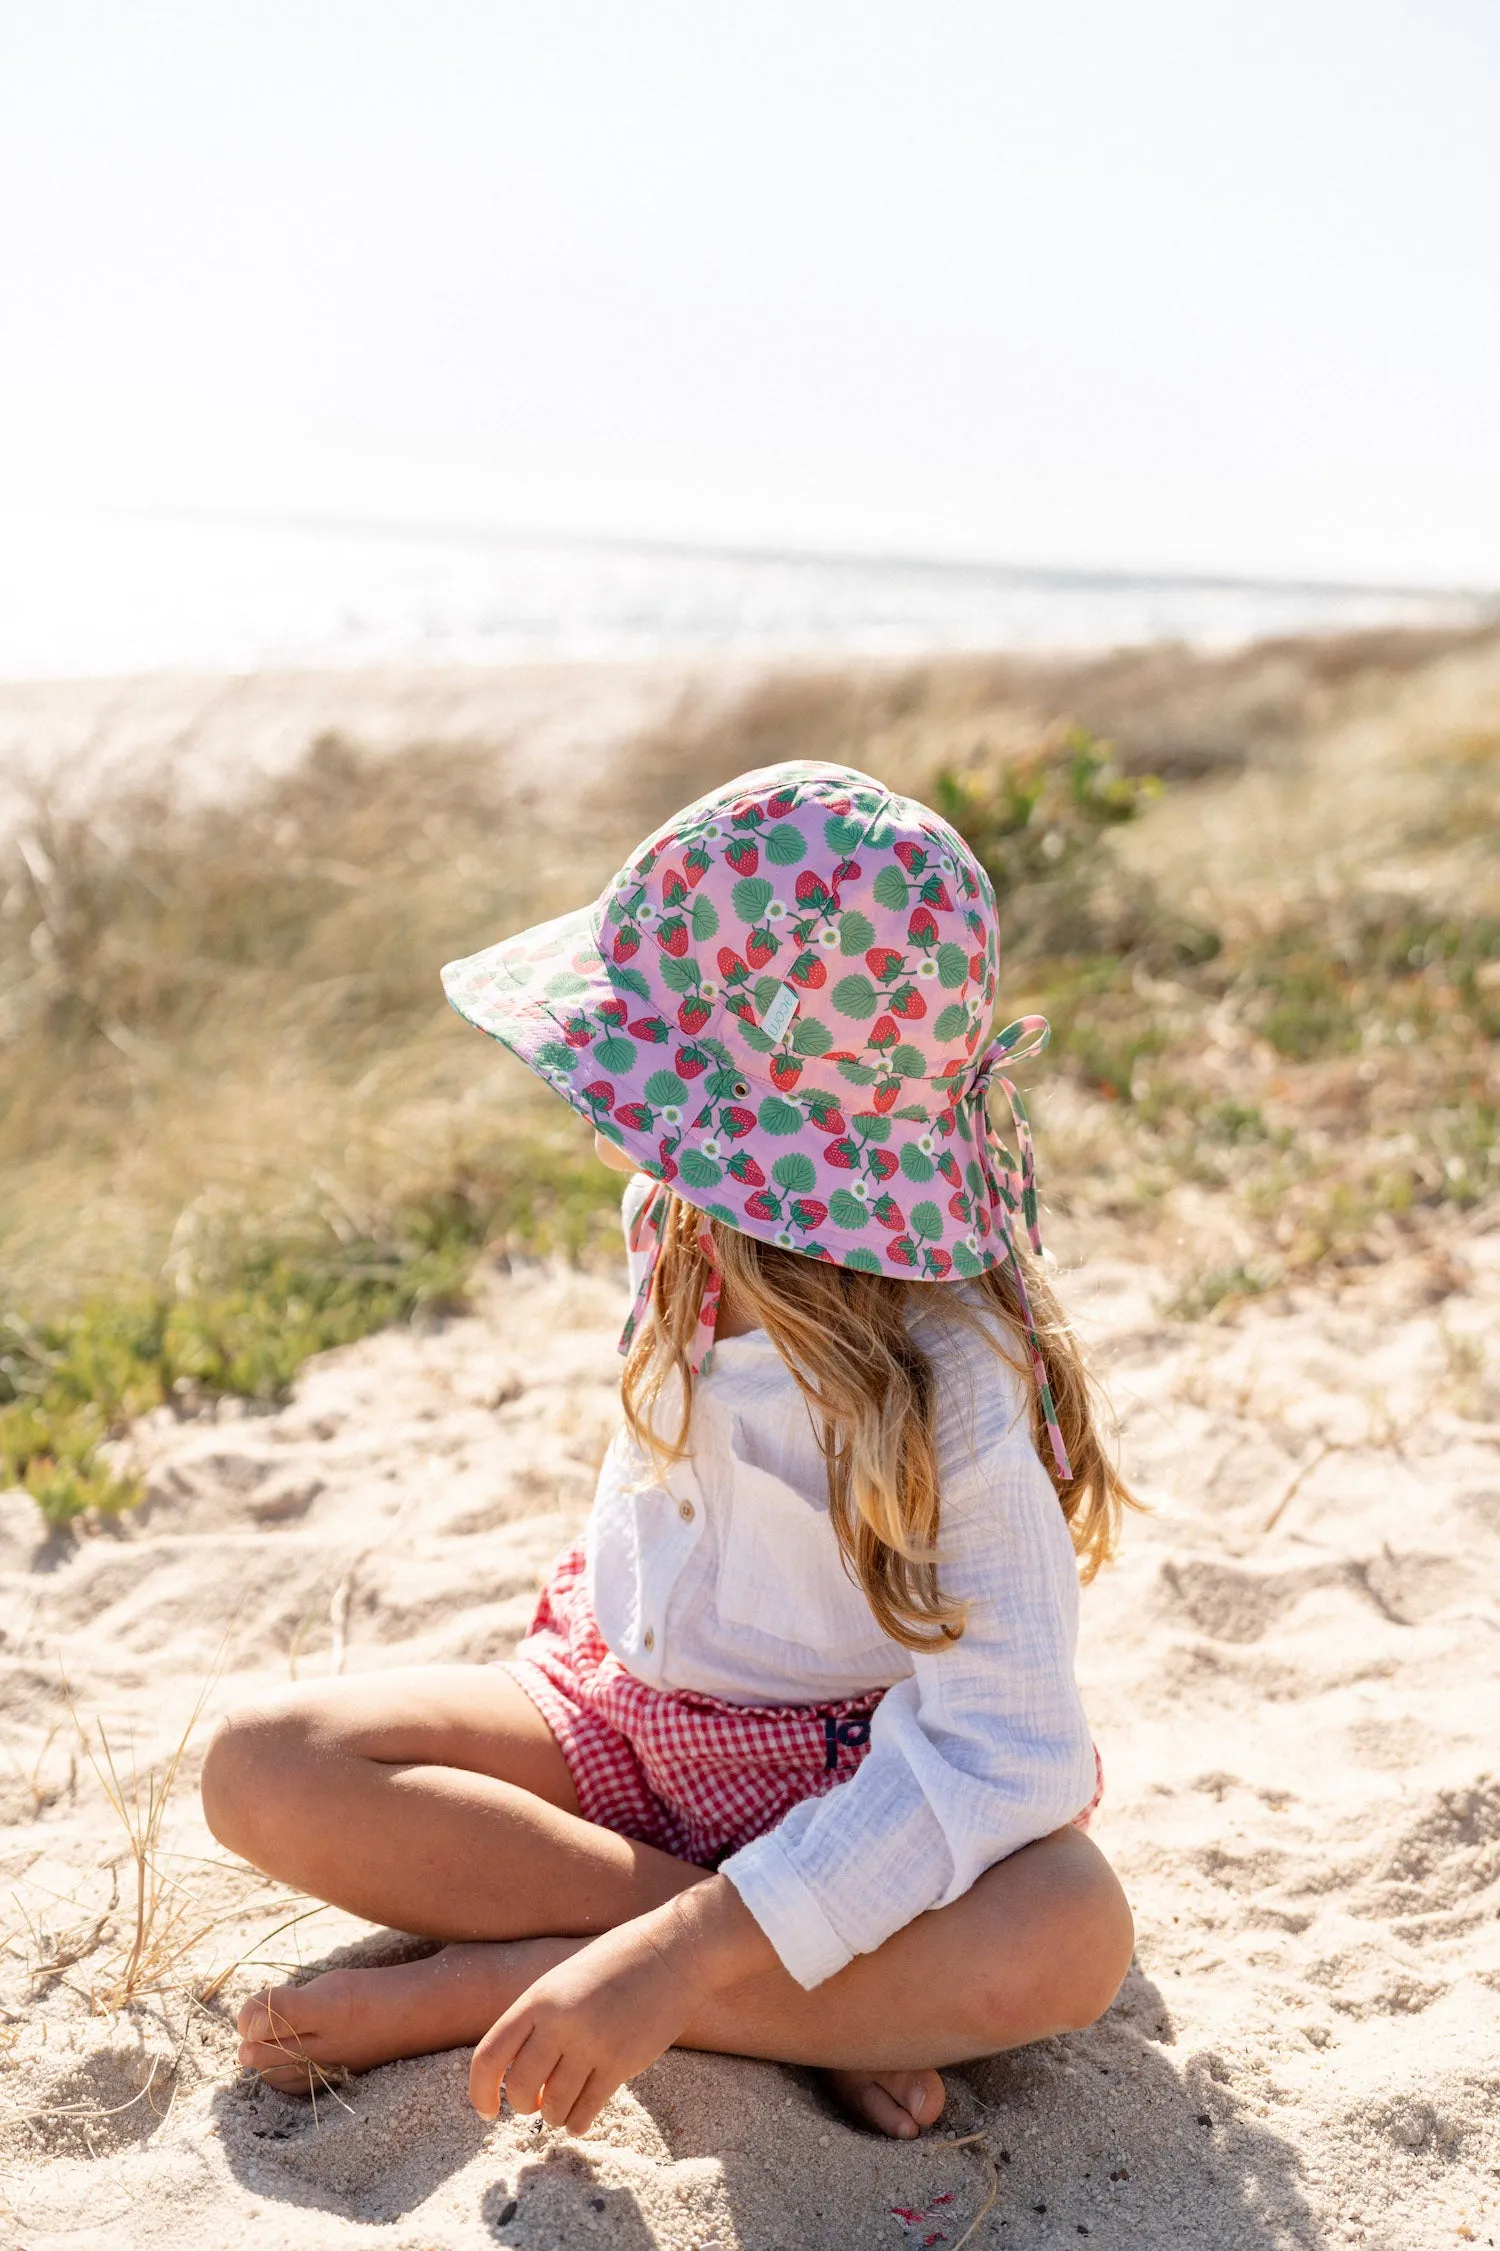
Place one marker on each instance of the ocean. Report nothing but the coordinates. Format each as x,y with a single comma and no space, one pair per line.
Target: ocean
88,595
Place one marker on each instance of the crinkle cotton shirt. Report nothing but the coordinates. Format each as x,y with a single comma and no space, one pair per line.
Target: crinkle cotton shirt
725,1578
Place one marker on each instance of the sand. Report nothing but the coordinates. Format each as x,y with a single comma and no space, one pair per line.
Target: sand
1291,1673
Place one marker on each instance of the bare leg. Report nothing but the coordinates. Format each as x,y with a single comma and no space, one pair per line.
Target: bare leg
345,1790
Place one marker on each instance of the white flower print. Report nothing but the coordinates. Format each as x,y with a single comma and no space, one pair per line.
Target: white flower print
859,1190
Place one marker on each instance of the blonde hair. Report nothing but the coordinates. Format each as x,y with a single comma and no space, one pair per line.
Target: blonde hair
872,1394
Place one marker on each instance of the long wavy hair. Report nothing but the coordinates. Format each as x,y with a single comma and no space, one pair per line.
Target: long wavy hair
872,1395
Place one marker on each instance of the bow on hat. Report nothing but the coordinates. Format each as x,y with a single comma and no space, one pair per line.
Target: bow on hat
1012,1196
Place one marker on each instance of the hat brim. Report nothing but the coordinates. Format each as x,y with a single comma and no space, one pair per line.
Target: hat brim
911,1196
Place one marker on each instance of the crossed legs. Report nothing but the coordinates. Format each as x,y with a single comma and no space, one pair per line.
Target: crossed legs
436,1801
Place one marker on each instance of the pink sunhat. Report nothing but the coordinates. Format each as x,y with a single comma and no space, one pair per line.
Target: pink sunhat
779,1009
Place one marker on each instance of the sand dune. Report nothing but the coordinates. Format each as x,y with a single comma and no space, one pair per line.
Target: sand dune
1291,1673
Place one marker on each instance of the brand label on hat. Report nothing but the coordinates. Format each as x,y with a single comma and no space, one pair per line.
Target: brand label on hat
780,1013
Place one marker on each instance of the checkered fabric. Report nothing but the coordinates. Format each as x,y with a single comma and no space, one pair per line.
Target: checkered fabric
693,1775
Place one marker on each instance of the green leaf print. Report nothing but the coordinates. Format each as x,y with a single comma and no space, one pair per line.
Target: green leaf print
765,990
794,1173
908,1062
615,1054
914,1164
809,1037
664,1089
556,1055
953,1022
890,887
776,1116
842,836
871,1126
564,985
723,1212
677,976
703,918
952,967
699,1171
858,1074
753,1037
854,996
847,1211
974,1176
964,1261
785,845
926,1222
631,980
862,1261
750,897
856,932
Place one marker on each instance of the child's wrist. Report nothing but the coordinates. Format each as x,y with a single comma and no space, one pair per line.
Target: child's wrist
714,1935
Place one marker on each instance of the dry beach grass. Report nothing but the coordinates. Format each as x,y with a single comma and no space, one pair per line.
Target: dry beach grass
289,1255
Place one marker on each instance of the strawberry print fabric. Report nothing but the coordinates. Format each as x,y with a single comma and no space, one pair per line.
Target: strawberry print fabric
780,1008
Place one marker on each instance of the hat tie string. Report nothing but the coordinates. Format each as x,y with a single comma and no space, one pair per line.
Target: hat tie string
1013,1193
649,1230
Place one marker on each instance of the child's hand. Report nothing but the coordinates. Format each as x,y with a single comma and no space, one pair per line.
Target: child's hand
597,2019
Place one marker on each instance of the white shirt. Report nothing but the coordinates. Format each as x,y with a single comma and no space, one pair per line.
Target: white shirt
726,1578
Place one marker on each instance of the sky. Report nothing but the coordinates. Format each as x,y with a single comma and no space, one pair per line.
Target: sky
1179,285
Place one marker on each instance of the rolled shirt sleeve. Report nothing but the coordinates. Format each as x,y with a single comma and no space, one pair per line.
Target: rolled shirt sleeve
983,1749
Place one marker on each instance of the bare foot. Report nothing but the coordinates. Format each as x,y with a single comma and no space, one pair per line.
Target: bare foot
297,2036
893,2102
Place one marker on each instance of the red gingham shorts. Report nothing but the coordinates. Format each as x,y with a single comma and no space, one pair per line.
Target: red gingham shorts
693,1775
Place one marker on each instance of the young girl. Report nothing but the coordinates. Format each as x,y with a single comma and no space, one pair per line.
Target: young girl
792,1763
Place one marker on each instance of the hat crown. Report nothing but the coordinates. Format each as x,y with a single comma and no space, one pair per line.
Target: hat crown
823,930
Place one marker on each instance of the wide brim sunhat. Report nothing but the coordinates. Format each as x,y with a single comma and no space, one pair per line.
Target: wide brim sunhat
780,1008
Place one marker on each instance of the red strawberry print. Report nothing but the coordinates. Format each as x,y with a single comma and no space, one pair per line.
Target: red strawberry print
922,927
940,1263
648,860
731,968
576,1031
807,1211
809,972
667,1169
760,947
762,1206
884,1162
958,1207
935,893
649,1028
743,855
743,1007
912,857
691,1061
627,942
976,968
778,807
745,1169
600,1093
635,1115
839,804
883,962
947,1164
697,865
673,937
827,1117
903,1253
888,1213
844,1154
886,1097
884,1032
847,871
674,887
613,1011
785,1072
747,814
810,890
908,1003
736,1122
692,1015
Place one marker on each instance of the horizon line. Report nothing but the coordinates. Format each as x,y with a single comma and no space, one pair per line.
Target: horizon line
1079,576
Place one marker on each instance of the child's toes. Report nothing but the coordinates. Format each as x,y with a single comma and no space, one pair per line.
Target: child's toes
898,2103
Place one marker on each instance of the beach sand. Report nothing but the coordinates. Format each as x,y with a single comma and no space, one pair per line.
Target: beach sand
1291,1672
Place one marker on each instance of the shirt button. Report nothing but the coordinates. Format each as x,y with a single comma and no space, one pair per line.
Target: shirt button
648,1639
685,1511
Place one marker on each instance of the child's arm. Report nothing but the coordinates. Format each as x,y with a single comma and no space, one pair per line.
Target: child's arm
597,2019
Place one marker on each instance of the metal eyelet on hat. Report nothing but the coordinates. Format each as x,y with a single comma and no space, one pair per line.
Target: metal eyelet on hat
740,1090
